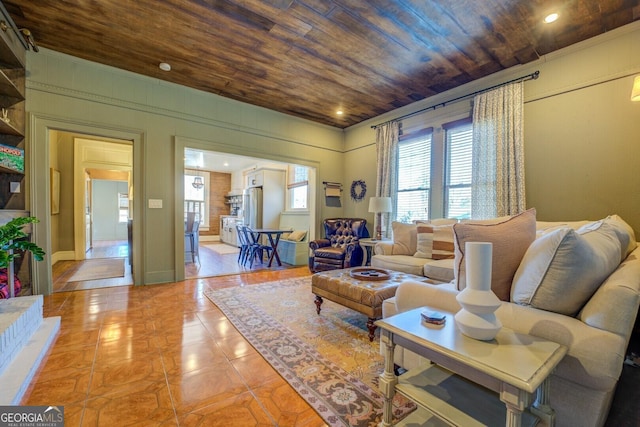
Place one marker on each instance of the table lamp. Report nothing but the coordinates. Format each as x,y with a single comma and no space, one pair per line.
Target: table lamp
379,205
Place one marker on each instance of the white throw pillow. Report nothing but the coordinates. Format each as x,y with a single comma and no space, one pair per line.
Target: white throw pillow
443,221
563,268
295,236
404,238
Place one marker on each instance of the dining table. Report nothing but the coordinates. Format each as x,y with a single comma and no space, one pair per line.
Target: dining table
273,235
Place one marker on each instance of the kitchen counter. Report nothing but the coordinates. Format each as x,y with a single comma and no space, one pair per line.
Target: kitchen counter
228,232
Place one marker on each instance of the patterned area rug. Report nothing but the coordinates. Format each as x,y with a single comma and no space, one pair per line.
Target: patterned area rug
327,359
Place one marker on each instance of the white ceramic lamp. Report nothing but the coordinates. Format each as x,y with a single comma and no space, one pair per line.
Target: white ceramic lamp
379,205
477,319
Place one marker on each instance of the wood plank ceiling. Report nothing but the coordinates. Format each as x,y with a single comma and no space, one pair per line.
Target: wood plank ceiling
309,58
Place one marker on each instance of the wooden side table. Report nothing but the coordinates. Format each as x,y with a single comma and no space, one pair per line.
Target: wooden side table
471,381
368,244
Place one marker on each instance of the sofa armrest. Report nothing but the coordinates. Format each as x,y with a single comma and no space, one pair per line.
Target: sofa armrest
319,243
594,358
614,305
383,248
413,294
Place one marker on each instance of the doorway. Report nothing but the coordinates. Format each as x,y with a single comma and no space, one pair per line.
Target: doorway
223,177
90,245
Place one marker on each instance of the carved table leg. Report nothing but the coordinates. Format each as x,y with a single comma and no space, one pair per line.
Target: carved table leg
516,401
372,327
388,379
318,302
541,407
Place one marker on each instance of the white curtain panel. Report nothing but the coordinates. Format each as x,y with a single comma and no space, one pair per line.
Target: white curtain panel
387,176
498,153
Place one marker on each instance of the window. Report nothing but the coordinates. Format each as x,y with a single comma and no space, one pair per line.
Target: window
434,168
458,152
298,186
123,207
414,176
196,199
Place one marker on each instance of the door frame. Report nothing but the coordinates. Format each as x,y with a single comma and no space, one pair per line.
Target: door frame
81,143
37,177
88,212
180,143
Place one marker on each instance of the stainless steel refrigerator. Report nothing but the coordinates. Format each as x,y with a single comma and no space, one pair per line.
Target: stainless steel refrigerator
252,207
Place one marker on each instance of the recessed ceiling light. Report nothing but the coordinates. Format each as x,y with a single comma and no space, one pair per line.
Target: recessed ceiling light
225,164
552,17
339,112
165,66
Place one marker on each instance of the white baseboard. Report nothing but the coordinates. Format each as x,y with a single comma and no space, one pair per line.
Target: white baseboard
209,238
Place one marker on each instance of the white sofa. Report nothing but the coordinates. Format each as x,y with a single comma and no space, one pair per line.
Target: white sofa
405,252
597,334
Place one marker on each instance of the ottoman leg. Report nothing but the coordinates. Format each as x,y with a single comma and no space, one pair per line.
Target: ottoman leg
318,302
372,327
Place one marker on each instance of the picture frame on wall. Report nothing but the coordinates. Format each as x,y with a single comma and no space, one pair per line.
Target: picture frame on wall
55,191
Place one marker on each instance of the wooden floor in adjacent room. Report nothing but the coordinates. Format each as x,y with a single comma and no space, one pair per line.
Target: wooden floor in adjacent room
162,355
62,271
212,263
209,264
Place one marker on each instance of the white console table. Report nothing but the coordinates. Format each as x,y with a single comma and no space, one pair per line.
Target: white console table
470,382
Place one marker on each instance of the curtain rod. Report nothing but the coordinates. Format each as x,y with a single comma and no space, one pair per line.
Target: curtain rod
532,76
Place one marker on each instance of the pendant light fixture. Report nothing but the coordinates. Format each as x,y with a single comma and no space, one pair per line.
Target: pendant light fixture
197,183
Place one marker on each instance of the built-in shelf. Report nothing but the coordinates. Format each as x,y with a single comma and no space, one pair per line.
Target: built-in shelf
12,50
9,129
9,93
13,55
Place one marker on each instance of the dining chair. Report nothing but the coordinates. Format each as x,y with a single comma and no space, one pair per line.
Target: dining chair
257,249
244,245
188,224
192,239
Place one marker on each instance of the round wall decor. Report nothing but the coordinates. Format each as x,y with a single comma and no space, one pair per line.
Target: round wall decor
358,190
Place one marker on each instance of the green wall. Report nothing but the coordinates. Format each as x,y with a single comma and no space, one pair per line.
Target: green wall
61,159
72,95
582,133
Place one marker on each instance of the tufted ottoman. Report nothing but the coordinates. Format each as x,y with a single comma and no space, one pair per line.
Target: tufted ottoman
363,296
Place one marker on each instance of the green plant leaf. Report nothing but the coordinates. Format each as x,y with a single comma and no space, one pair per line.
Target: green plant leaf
12,238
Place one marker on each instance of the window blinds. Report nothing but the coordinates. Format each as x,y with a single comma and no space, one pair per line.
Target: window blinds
414,182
